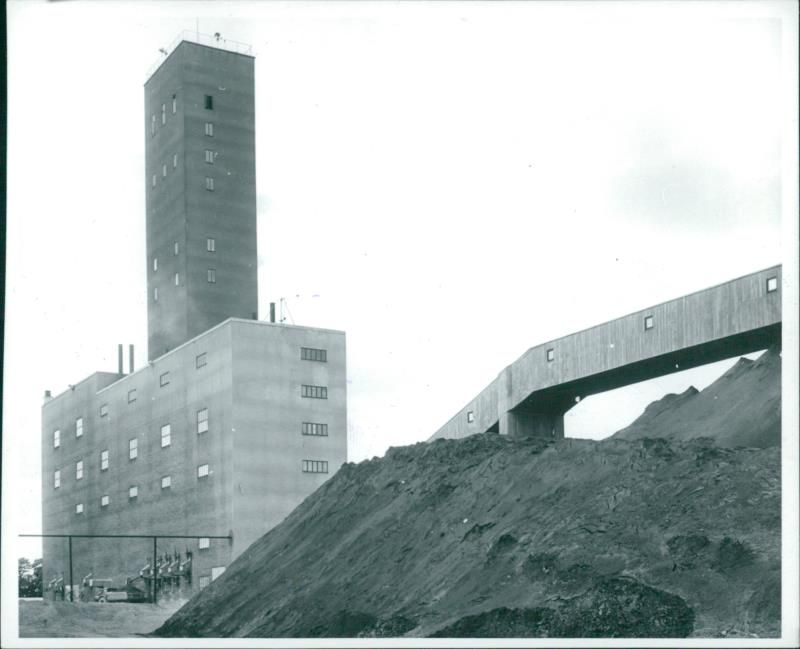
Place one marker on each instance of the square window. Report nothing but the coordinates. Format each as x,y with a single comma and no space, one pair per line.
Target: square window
79,427
132,395
133,492
208,102
209,157
163,379
212,276
209,129
211,245
177,279
470,417
209,184
201,360
79,508
202,421
104,410
648,322
104,501
56,479
166,482
104,460
203,543
133,448
79,470
205,581
202,471
772,284
56,438
166,435
550,355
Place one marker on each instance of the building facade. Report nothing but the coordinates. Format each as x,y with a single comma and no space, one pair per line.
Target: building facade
234,421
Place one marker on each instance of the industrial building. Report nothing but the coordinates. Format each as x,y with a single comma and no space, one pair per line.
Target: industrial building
531,396
234,421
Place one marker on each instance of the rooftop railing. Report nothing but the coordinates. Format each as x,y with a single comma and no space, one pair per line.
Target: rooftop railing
211,40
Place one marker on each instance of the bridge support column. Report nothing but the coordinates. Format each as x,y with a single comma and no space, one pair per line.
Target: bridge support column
523,423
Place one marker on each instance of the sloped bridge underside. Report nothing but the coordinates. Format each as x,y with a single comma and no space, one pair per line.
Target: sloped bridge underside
531,396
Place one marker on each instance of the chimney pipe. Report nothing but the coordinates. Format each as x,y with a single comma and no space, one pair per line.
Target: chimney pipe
272,311
119,359
130,359
47,395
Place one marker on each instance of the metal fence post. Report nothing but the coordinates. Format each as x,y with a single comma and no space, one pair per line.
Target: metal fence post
71,594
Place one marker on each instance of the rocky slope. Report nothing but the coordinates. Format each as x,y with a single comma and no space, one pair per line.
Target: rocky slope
491,537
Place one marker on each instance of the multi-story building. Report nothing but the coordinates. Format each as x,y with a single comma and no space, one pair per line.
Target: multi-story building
234,421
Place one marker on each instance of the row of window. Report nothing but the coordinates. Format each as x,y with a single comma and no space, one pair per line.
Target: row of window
211,246
310,354
203,471
314,391
315,466
208,104
211,278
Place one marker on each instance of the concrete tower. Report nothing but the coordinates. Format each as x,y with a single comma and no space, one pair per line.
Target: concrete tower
201,193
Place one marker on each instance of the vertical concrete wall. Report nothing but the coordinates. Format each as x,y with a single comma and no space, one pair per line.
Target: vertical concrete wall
180,207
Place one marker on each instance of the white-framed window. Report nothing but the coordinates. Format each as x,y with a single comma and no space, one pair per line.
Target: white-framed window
315,429
209,184
174,160
56,479
133,491
201,360
104,460
550,355
211,276
166,435
209,129
211,244
315,466
311,354
470,416
209,157
79,508
79,470
133,448
56,438
163,379
104,500
155,264
648,322
216,572
205,580
163,114
203,543
772,284
202,471
202,421
314,391
177,279
174,104
155,294
79,427
104,410
132,395
166,482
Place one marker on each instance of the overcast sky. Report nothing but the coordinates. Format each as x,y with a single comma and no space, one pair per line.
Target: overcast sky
450,183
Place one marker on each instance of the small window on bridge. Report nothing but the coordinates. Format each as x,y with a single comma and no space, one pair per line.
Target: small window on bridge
470,417
648,322
772,284
551,354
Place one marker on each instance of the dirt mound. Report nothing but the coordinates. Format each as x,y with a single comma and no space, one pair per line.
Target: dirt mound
741,408
488,536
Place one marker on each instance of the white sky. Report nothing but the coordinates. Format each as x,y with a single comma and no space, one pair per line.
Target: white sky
457,182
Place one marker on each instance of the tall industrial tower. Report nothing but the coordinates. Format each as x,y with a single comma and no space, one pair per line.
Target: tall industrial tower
201,193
